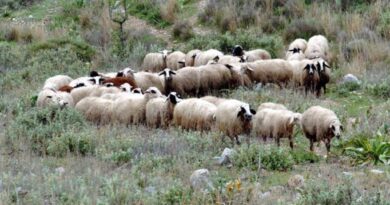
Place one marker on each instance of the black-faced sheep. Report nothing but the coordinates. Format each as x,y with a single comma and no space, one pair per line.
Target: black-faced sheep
118,81
233,118
275,124
159,111
155,62
176,60
205,57
190,57
194,114
320,124
298,45
310,79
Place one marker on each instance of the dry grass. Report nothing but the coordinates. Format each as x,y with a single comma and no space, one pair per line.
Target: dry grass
168,10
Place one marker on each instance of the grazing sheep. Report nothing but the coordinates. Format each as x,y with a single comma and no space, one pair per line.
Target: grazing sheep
131,108
323,70
159,111
296,56
227,59
126,72
82,92
233,118
238,51
118,81
317,47
190,57
298,45
215,100
277,124
176,60
270,105
298,67
205,57
146,80
257,54
68,88
320,124
96,109
103,75
184,81
155,62
87,81
99,91
56,82
48,97
310,79
276,71
194,114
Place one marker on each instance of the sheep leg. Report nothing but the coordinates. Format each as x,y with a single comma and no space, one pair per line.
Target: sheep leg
291,142
311,145
324,89
237,141
327,144
264,138
277,141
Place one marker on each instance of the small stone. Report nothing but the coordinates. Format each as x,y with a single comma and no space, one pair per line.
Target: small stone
376,171
226,157
30,16
350,78
200,180
347,173
265,195
60,170
296,181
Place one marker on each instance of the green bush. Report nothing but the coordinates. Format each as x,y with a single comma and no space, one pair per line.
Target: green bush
301,156
182,30
51,131
148,10
302,28
277,159
344,89
381,89
248,40
12,56
177,194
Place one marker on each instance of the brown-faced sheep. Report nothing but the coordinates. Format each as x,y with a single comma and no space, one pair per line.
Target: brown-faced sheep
146,80
131,109
68,88
320,124
270,105
184,81
310,79
275,124
317,47
155,62
56,82
257,54
276,71
96,109
190,57
176,60
205,57
194,114
233,118
159,111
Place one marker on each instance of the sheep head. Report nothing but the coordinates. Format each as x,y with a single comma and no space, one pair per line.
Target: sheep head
246,113
336,128
238,50
174,98
167,73
310,68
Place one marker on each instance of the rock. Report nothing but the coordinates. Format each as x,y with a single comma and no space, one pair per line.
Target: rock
265,195
60,170
200,181
347,173
350,78
30,16
296,181
376,171
226,157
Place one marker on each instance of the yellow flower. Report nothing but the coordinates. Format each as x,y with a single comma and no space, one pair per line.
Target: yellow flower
229,186
238,184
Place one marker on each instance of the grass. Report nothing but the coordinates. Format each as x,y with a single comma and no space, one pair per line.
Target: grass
114,164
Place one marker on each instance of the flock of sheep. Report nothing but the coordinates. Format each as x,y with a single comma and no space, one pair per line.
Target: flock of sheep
153,96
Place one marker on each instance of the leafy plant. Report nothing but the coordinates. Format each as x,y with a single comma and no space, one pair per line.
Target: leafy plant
365,150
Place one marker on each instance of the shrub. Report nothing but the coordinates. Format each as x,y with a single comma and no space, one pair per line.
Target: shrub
148,10
182,30
344,89
51,131
301,156
302,28
381,89
177,194
277,159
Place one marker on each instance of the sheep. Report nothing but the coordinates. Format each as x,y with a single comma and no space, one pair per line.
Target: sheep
56,82
194,114
227,59
205,57
215,100
146,80
277,71
87,81
68,88
96,109
270,105
257,54
310,79
233,118
317,46
125,92
99,91
184,81
297,46
275,123
131,109
155,62
103,75
238,51
323,70
298,67
296,56
126,72
82,92
190,57
176,60
320,124
118,81
159,111
48,97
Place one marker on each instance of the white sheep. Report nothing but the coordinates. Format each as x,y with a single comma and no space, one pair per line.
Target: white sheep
228,59
298,68
96,109
184,81
320,124
194,114
297,46
257,54
146,80
317,46
82,92
48,97
270,105
215,100
57,81
159,111
190,57
155,62
233,118
275,123
176,60
205,57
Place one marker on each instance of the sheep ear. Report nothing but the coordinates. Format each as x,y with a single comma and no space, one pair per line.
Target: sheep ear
291,120
216,59
249,68
172,72
242,110
93,74
229,66
306,67
193,56
326,65
161,73
242,59
182,63
253,111
120,74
